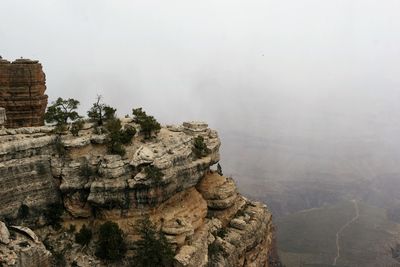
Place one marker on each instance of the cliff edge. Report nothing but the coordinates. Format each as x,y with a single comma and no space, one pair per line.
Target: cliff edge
200,212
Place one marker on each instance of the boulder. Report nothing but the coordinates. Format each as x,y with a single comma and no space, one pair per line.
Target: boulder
4,234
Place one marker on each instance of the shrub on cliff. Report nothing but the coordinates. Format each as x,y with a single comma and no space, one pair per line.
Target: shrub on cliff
53,214
117,137
148,124
84,236
111,245
76,127
153,248
85,170
99,113
61,112
200,148
59,146
153,173
23,211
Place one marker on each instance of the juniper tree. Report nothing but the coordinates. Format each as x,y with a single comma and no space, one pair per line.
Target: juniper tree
148,124
153,248
62,111
100,112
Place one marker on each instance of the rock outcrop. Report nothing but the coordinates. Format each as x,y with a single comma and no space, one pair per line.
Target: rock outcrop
201,213
22,87
20,247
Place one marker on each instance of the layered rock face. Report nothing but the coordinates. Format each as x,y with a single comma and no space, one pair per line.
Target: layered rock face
201,212
3,117
22,87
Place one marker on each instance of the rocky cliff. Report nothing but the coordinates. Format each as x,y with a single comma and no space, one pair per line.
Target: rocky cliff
22,87
199,211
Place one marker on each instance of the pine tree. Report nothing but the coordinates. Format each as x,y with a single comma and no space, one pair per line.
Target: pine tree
100,112
153,248
148,124
62,111
111,245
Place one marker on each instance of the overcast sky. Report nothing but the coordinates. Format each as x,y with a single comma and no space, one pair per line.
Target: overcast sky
284,66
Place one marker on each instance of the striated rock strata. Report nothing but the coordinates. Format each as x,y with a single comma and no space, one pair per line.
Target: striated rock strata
22,87
201,213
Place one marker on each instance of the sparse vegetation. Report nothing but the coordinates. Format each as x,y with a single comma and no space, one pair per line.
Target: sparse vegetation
153,248
76,127
85,170
148,124
59,259
222,232
23,211
117,137
154,173
111,245
61,112
214,250
84,236
41,168
72,228
99,113
200,148
59,146
53,215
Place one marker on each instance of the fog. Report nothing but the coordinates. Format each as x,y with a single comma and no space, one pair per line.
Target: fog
317,79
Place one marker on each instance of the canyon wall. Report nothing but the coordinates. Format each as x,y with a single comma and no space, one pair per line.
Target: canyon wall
200,211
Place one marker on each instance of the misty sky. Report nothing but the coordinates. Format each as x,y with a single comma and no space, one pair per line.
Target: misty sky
275,67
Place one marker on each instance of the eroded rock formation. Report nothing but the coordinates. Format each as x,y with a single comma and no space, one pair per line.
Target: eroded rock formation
201,213
20,247
22,87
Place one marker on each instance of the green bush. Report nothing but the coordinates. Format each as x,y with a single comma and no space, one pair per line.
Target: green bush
148,124
222,232
100,112
59,259
61,111
111,245
53,215
76,127
84,236
23,211
200,148
214,250
153,248
59,146
153,173
117,137
41,169
85,170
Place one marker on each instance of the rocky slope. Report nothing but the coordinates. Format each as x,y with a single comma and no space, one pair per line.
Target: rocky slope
201,212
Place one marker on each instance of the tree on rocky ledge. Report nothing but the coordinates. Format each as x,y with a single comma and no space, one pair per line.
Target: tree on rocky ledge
153,248
111,245
200,148
118,136
100,112
148,124
61,112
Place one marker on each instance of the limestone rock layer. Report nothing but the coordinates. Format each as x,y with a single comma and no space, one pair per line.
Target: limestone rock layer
200,212
22,92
